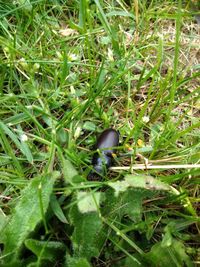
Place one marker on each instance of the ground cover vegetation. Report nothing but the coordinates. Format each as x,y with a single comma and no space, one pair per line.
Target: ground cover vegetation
69,70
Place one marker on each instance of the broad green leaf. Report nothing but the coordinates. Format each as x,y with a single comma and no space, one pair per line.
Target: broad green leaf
50,250
131,262
145,182
27,214
119,186
132,204
55,205
173,255
88,236
138,181
89,126
126,203
88,202
77,262
68,171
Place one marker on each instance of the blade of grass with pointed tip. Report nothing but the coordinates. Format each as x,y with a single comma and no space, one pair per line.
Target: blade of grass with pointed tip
176,58
9,151
22,146
55,205
107,27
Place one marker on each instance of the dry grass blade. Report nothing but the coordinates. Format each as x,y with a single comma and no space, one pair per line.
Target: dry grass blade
154,167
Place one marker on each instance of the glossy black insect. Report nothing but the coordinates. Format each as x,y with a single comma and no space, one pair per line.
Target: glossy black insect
102,159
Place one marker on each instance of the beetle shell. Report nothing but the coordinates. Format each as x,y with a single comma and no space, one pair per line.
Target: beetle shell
106,142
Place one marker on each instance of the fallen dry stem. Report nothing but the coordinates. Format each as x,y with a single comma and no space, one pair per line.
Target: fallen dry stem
154,167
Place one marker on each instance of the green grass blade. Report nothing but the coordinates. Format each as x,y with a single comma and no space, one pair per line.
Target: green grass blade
107,27
176,58
9,151
22,146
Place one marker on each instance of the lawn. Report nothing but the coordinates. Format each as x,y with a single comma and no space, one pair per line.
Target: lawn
68,71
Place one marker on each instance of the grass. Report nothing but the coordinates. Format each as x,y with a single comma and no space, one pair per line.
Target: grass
68,71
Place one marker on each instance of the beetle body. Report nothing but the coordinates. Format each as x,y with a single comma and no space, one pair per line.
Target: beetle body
102,159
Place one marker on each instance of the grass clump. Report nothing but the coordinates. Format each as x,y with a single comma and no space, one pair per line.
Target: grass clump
68,71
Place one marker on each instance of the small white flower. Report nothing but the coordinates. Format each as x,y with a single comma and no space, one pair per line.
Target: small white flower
145,119
72,57
36,66
29,107
23,63
59,55
6,49
77,132
53,131
110,55
24,138
72,89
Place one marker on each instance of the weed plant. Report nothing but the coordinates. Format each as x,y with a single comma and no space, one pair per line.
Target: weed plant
69,70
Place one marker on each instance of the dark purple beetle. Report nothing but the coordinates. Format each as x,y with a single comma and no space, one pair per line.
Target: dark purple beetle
106,142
